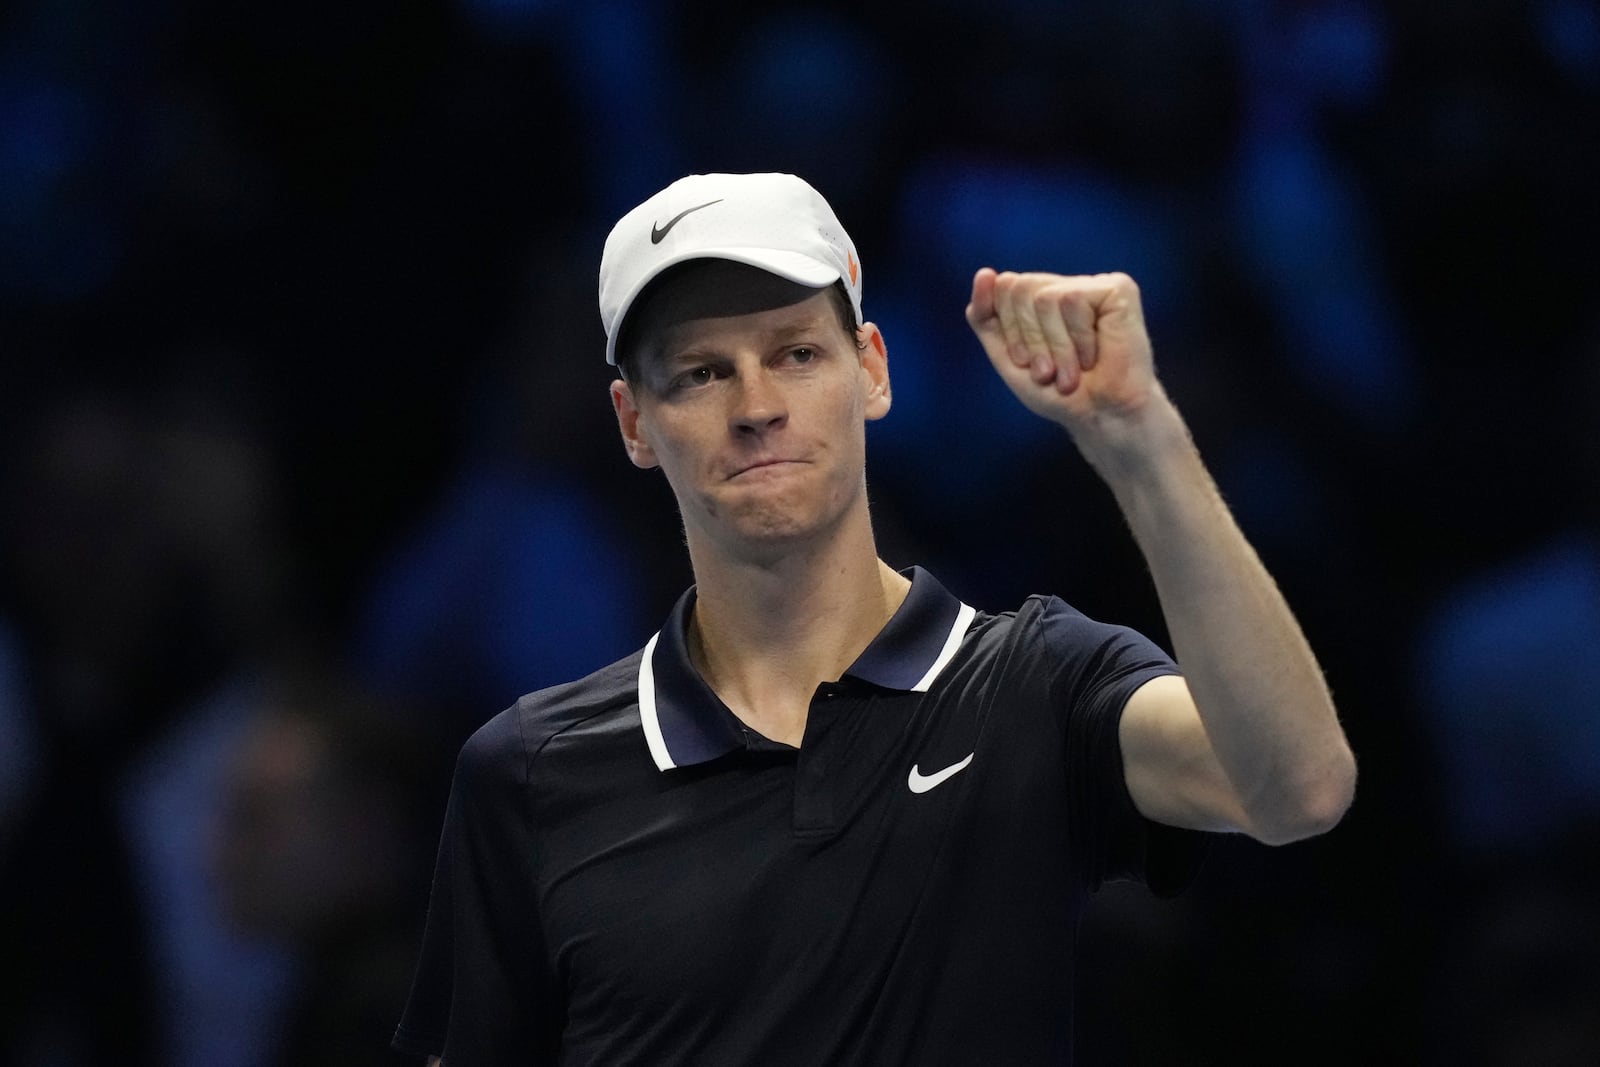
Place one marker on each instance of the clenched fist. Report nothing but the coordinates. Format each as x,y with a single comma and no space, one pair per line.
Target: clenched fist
1073,349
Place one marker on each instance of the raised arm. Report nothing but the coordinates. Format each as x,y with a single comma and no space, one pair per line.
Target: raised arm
1248,738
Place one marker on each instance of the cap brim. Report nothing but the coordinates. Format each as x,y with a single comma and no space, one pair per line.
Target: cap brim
793,266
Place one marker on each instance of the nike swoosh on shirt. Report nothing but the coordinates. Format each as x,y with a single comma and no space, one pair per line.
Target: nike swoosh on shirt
658,232
921,783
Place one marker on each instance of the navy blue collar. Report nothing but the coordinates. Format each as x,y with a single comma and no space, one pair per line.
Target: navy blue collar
686,723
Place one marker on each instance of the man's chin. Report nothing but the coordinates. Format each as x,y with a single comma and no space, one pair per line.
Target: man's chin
770,523
778,530
770,533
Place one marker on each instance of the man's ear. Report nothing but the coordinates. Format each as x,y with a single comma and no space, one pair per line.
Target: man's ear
633,439
875,368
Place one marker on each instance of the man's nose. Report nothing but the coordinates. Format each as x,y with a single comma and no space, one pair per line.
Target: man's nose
758,403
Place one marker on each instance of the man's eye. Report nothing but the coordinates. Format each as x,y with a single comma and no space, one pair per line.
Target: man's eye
803,355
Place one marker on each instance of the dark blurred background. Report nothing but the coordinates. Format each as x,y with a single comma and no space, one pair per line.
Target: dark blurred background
308,466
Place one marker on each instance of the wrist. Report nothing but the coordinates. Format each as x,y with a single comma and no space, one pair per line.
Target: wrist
1133,446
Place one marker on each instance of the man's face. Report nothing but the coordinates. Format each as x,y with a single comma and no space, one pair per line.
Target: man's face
752,399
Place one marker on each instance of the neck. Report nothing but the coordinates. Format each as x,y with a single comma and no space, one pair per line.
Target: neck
767,632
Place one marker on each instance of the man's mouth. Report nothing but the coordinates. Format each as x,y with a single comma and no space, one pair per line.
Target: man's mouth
763,465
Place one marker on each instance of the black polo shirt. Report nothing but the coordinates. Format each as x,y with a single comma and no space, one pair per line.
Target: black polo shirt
629,875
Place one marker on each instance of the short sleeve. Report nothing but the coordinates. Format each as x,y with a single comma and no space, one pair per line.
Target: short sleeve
1098,666
483,993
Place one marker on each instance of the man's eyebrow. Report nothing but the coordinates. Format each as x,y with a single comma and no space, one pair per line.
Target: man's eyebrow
667,353
814,324
774,335
677,357
659,363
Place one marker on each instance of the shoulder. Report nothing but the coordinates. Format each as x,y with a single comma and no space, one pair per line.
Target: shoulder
1012,655
1043,622
1047,645
507,745
1061,628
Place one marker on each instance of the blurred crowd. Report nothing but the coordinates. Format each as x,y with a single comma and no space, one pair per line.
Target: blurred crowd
308,466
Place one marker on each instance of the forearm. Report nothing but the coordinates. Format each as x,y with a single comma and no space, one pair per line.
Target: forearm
1255,681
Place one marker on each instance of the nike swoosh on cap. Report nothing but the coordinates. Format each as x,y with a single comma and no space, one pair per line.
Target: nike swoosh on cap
918,782
658,232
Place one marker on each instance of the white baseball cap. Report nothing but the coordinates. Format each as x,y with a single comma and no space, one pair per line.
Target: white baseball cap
776,222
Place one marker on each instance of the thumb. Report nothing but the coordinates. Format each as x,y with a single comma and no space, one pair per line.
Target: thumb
1119,323
980,310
